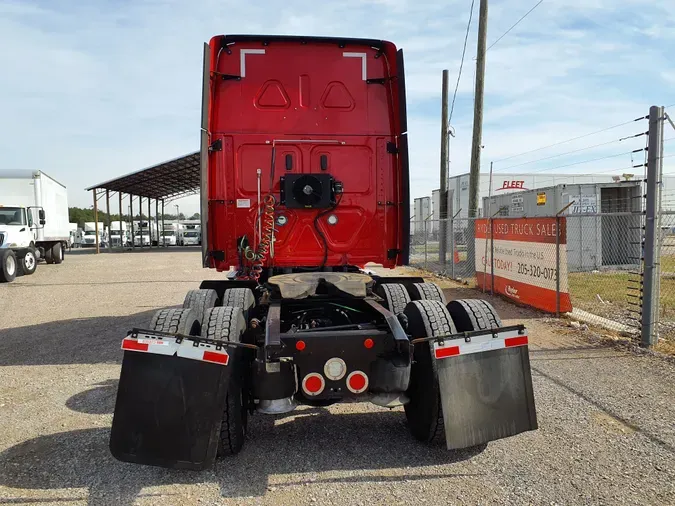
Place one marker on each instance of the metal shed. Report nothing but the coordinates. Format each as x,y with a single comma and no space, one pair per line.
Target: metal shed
162,183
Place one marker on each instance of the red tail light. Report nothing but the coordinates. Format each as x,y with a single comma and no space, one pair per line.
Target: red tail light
357,382
313,384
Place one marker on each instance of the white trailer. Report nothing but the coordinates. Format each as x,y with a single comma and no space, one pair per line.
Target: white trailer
33,221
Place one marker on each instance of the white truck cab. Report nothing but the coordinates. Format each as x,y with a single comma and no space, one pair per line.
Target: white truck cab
33,221
192,237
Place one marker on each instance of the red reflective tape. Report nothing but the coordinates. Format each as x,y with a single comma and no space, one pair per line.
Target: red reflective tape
219,358
132,344
515,341
447,352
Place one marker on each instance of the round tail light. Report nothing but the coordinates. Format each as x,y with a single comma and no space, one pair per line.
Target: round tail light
357,382
313,384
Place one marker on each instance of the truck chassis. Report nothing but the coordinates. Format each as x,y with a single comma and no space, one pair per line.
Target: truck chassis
190,381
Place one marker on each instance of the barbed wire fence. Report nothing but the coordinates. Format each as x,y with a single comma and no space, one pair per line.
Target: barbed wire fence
615,275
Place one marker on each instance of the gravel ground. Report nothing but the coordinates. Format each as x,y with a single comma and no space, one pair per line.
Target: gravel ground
606,415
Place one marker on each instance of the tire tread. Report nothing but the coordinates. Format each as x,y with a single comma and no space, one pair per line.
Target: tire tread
395,295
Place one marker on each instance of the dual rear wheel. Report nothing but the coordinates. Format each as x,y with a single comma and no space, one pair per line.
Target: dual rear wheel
429,315
203,315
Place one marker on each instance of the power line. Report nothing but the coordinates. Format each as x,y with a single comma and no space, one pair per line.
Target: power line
569,152
514,25
628,168
570,140
591,160
461,63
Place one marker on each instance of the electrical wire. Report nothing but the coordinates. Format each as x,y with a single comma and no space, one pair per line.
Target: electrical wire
569,152
584,161
461,63
570,140
588,161
628,168
514,25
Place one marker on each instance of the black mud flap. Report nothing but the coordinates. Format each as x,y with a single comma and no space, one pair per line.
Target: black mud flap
486,396
168,411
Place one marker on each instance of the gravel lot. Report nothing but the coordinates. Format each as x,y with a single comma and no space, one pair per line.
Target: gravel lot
606,415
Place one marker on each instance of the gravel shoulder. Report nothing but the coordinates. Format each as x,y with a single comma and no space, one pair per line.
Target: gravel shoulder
606,415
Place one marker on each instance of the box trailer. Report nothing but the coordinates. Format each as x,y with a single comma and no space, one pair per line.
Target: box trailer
603,220
33,221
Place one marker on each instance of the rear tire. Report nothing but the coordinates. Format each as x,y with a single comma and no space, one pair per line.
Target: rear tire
239,297
426,318
8,265
201,300
49,256
227,323
58,253
395,296
473,314
176,321
426,291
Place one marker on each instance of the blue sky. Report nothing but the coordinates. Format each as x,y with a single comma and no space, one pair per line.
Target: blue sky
92,90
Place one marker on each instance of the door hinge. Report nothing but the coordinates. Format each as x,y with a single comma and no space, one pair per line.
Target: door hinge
216,146
391,148
226,77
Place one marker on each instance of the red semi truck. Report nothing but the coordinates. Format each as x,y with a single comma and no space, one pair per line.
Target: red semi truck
305,181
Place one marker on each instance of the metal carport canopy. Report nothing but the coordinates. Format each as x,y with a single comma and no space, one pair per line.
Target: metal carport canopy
165,181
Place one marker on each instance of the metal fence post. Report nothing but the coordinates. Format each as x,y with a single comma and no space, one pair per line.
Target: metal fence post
426,240
557,265
451,231
650,300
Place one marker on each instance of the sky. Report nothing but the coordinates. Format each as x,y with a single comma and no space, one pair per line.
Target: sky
93,90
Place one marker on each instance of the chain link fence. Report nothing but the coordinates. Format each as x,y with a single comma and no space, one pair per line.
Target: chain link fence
599,256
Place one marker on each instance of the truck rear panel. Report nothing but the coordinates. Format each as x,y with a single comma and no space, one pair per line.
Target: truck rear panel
281,107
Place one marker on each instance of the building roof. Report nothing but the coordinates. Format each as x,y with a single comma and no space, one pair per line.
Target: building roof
165,181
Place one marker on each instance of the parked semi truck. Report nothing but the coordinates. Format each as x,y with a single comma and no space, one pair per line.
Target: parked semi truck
304,156
90,237
120,235
191,237
170,234
33,221
145,233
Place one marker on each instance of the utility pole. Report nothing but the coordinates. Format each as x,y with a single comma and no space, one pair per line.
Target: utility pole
474,176
445,140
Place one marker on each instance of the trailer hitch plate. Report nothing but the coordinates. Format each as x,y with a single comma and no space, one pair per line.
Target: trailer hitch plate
486,388
170,402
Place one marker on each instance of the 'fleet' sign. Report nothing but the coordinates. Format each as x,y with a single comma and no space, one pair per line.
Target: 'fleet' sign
509,184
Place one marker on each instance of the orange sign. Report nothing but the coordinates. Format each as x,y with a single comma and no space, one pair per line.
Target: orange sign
522,254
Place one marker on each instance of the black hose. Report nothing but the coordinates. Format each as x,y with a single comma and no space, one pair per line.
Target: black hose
318,230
